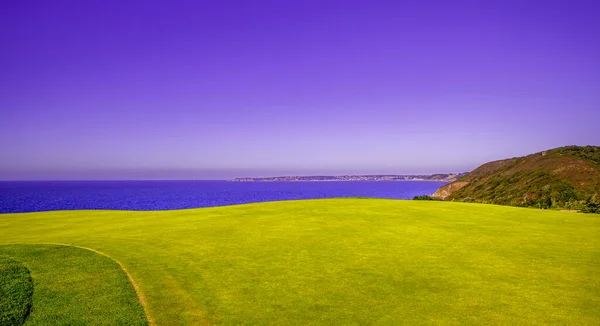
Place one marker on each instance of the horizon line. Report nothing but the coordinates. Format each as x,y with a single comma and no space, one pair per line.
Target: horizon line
226,179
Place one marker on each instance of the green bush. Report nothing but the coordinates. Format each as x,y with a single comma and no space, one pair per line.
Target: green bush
16,291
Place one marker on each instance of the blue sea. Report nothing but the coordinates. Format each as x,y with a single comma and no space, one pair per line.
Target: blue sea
34,196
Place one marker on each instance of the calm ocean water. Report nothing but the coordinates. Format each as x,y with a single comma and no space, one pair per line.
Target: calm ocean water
35,196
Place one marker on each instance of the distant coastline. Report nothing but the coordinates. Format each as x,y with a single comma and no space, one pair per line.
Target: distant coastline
444,177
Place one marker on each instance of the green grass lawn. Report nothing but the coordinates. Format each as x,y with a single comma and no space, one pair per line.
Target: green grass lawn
341,261
73,286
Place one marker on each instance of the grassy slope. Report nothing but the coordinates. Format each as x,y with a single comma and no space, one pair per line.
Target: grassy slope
75,286
345,261
16,290
559,178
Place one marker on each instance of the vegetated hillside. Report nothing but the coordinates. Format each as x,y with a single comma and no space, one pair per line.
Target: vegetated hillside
566,177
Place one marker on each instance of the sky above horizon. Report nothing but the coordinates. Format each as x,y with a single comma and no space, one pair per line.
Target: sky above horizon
222,89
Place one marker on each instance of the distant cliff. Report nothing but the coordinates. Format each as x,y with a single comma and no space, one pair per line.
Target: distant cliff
566,177
443,177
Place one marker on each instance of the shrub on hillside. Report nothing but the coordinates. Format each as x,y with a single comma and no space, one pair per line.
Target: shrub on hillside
592,205
423,197
591,153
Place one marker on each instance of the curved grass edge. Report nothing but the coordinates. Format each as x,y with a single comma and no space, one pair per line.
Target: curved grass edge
133,283
16,291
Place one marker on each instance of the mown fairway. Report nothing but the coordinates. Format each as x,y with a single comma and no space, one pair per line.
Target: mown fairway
343,261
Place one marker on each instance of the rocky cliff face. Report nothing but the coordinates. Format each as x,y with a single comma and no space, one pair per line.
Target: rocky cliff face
446,190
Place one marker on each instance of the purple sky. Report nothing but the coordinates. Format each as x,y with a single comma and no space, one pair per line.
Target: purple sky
218,89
